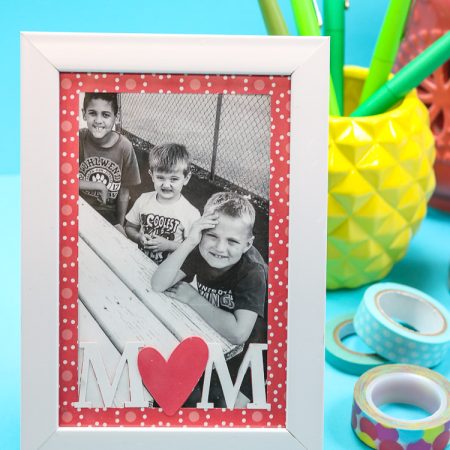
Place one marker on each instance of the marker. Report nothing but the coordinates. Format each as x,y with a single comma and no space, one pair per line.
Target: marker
409,77
386,48
273,18
308,25
334,26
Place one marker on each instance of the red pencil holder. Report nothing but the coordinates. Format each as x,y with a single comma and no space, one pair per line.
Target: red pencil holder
430,20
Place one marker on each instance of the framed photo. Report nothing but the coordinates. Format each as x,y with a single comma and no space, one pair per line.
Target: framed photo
174,241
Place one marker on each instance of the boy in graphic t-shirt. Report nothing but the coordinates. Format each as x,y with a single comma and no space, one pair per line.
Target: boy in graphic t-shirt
108,164
231,273
159,221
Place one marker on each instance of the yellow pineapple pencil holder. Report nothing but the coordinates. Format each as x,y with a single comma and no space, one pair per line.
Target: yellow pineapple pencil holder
380,179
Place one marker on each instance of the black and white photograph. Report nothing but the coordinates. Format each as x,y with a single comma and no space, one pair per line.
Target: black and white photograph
173,227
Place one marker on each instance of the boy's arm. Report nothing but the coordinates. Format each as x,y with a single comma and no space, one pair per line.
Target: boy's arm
133,231
236,327
85,185
122,204
168,272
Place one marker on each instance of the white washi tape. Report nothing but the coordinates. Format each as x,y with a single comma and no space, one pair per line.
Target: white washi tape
407,384
403,324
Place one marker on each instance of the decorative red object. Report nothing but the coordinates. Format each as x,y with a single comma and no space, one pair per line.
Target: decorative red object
429,20
171,382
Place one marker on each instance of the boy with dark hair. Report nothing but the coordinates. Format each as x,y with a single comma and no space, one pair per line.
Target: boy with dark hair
108,164
159,221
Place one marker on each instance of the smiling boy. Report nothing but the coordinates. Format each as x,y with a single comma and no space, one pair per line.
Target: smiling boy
160,220
108,164
231,278
231,273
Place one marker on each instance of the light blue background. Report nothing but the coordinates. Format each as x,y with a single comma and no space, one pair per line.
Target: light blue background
425,266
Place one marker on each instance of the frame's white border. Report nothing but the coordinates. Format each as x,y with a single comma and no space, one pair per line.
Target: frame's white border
43,56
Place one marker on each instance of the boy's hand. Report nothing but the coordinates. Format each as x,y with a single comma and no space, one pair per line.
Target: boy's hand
103,191
206,222
96,186
159,244
144,239
182,292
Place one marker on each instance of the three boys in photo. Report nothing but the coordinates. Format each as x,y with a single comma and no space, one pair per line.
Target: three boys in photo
214,249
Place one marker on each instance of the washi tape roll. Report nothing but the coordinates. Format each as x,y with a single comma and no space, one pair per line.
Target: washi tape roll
411,385
340,356
403,324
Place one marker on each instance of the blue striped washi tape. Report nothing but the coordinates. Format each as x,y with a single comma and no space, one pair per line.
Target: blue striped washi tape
403,324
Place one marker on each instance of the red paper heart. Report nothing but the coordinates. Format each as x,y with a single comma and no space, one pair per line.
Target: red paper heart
171,382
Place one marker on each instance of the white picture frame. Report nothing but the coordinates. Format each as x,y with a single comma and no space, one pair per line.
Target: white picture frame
43,57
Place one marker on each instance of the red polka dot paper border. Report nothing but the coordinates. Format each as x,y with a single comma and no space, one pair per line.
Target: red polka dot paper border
278,88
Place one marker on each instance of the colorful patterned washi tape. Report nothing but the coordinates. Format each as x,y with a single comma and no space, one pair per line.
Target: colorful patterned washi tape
403,324
402,383
340,356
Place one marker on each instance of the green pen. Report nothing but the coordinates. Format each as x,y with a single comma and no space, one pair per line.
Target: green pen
406,79
308,25
334,26
305,17
273,18
386,47
334,106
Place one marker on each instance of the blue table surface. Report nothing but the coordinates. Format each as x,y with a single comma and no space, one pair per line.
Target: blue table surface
425,267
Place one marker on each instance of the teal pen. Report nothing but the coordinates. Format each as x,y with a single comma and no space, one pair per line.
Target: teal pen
273,18
386,47
308,25
409,77
334,26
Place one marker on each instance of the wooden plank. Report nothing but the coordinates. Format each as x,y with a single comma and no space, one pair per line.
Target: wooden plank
90,331
135,270
120,314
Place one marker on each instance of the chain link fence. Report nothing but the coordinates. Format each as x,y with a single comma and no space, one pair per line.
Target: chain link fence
227,135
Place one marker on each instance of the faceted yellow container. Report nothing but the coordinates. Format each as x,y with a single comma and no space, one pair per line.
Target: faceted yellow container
380,179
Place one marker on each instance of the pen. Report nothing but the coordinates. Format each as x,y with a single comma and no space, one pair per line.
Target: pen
308,25
334,106
334,26
273,18
386,47
409,77
305,17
